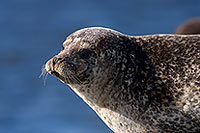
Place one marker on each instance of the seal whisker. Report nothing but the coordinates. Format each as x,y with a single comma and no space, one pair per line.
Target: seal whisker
73,79
76,79
66,80
68,77
43,74
45,78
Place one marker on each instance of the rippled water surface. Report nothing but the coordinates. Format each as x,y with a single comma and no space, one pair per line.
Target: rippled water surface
32,31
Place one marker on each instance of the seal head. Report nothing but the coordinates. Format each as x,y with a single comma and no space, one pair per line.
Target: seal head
89,59
135,84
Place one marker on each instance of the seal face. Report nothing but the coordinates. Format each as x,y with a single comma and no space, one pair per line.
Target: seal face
135,84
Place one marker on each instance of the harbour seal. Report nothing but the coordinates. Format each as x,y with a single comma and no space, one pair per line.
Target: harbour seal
189,27
134,83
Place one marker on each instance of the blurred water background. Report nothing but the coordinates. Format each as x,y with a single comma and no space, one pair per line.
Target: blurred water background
32,31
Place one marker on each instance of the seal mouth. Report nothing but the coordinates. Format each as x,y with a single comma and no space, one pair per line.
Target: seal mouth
57,75
69,79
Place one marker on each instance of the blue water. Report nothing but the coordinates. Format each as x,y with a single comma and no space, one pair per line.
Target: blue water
32,31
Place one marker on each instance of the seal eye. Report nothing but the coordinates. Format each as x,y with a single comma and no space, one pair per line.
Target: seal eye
84,53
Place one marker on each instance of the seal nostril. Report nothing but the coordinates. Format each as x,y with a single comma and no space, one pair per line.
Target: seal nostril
55,60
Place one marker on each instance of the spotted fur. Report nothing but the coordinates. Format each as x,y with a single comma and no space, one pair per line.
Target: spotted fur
134,83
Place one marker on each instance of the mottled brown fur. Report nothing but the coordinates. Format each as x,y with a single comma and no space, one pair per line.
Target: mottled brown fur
135,84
